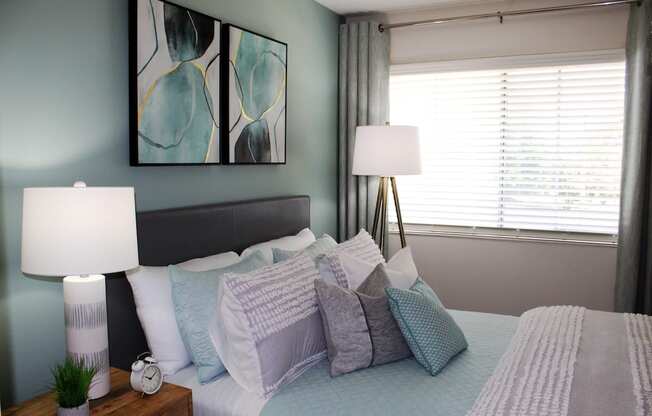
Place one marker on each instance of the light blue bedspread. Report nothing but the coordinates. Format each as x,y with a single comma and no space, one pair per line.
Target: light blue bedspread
404,387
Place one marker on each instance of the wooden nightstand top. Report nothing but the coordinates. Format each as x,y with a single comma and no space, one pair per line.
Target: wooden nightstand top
171,400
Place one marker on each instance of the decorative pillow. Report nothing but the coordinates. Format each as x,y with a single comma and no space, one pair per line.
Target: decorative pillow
153,297
300,241
431,333
268,329
321,246
361,247
403,261
349,271
195,298
359,327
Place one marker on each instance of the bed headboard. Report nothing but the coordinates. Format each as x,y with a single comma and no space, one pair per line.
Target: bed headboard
174,235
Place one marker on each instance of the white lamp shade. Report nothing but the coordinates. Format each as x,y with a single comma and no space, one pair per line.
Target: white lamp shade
387,151
78,231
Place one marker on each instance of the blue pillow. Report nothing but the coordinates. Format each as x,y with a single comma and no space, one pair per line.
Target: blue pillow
322,245
431,333
194,295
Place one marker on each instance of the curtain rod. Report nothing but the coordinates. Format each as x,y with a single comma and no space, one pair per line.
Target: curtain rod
500,15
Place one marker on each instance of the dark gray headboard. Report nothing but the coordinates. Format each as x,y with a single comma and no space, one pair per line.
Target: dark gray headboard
174,235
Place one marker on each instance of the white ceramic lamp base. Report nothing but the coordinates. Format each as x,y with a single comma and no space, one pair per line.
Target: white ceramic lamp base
87,336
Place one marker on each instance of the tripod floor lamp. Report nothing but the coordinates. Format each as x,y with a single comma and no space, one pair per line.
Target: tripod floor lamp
387,152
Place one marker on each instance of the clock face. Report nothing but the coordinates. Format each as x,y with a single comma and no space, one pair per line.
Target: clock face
152,379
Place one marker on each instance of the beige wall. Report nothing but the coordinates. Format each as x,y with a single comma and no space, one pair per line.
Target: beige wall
510,277
558,32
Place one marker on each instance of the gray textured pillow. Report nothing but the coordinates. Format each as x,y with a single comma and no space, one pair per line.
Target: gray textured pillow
345,327
387,340
359,327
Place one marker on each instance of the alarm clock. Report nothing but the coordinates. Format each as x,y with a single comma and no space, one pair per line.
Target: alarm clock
146,375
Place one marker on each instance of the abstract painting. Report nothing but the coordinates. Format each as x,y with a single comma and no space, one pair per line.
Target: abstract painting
256,96
175,85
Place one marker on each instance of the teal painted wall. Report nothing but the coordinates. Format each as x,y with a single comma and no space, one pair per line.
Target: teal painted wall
64,116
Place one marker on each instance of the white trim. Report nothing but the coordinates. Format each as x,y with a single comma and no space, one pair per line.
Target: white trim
505,62
503,234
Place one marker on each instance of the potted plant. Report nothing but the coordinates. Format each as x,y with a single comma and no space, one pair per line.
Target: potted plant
72,379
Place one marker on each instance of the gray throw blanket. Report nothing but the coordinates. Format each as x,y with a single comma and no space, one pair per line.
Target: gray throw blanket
569,361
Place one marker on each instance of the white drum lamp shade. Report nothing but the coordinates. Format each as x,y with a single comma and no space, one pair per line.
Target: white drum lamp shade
387,151
78,231
81,233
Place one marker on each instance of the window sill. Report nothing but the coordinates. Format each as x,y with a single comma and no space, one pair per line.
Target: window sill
509,235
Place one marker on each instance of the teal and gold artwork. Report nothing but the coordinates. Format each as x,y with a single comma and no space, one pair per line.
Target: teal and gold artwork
177,85
257,98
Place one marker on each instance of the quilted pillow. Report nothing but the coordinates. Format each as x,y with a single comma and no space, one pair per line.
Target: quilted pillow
432,334
268,329
322,245
194,295
359,327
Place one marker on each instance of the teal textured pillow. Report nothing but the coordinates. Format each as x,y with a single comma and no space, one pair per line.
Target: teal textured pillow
322,245
194,295
430,332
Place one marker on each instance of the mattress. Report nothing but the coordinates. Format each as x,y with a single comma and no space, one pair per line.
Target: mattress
403,387
222,397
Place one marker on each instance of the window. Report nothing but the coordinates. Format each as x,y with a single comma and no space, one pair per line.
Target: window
531,143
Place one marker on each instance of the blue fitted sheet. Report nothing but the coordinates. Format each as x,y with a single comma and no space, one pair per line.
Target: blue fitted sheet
404,387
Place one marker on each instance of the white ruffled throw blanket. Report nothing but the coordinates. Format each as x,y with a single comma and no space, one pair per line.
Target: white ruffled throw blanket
567,360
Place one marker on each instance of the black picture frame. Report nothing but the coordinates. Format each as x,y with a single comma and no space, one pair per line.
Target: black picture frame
225,73
134,156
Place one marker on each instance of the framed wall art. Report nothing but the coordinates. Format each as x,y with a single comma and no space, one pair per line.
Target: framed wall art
254,80
175,85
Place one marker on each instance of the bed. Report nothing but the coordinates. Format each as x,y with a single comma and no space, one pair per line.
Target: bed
550,361
405,388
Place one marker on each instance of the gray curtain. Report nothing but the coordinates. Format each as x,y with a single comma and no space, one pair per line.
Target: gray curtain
364,100
634,270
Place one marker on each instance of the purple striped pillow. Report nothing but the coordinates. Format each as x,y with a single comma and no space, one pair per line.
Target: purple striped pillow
267,328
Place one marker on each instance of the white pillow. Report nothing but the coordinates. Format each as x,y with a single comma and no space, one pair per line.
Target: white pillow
153,297
401,270
297,242
402,261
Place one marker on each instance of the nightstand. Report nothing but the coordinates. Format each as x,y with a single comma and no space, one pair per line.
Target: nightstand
171,400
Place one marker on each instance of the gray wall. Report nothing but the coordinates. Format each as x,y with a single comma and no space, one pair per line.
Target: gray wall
511,277
64,116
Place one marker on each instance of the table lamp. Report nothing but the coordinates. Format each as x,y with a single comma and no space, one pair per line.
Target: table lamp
387,152
80,232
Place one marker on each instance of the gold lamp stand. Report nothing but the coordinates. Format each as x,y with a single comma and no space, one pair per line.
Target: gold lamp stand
380,216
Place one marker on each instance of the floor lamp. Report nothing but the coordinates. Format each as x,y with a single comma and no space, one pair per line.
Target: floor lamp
387,152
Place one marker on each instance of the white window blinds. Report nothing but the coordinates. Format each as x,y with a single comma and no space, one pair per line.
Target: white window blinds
529,144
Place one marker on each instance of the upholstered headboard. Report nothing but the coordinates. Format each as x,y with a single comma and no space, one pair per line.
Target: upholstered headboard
174,235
